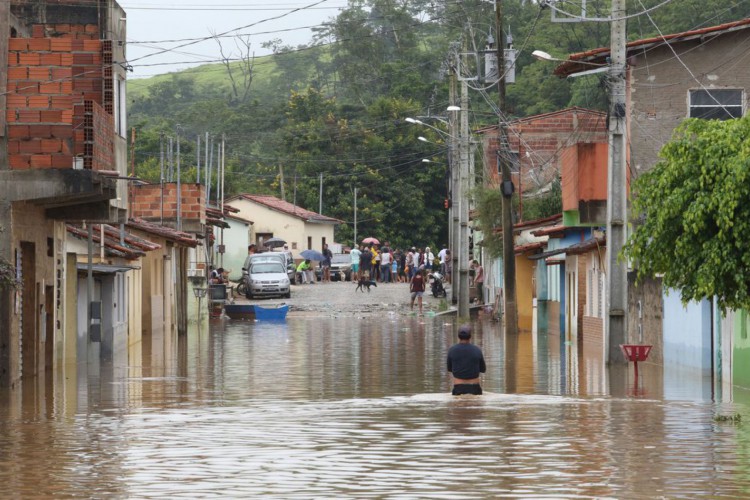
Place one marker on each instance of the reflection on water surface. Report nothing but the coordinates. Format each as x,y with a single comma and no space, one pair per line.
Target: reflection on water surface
324,407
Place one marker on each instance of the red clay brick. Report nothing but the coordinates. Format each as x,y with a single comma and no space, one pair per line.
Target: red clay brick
93,96
61,131
30,146
41,161
13,147
84,85
21,44
18,73
67,116
52,145
15,101
39,73
51,116
62,161
66,87
76,45
18,131
91,28
80,59
11,116
66,59
60,45
12,58
19,162
39,44
28,59
26,87
62,28
38,31
38,101
61,102
61,73
49,88
49,59
28,116
92,45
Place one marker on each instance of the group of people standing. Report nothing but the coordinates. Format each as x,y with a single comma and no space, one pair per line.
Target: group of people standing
386,265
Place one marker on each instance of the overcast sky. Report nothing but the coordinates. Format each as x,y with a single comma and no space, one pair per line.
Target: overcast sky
152,24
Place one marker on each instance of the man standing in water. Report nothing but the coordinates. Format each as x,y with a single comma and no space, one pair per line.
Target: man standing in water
466,362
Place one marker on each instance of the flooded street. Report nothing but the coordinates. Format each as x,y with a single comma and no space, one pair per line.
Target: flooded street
327,406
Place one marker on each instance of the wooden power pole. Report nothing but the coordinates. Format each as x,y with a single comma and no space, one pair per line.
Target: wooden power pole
509,258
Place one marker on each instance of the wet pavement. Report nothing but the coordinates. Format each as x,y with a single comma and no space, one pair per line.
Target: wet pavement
343,299
350,400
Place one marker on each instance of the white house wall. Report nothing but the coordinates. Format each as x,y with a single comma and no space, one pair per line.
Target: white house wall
293,230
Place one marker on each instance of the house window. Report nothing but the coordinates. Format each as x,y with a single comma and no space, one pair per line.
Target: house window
309,242
261,237
120,102
716,104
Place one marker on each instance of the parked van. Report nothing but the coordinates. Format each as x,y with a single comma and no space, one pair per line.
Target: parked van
285,258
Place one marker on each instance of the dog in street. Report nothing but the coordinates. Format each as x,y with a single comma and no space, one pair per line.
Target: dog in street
365,283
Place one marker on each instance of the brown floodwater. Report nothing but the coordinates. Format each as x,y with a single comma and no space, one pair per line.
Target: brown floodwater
324,407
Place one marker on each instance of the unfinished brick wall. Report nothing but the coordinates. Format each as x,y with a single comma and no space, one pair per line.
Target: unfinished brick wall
544,137
147,202
55,89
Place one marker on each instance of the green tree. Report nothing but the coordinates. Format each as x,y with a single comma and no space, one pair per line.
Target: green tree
694,209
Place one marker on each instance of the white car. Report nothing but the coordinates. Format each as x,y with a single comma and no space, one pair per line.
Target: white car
267,278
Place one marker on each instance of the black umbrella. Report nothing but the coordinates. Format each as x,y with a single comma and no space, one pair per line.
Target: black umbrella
274,243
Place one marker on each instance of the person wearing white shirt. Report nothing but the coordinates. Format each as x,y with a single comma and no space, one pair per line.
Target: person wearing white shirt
442,256
355,255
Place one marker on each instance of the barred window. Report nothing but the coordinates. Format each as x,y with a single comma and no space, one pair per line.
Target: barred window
716,104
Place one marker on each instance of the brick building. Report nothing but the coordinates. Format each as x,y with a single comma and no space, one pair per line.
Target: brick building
536,144
62,160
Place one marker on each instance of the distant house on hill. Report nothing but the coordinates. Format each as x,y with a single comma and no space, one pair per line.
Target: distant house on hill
273,217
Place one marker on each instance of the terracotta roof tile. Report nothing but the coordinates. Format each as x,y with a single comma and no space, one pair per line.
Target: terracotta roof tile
288,208
572,65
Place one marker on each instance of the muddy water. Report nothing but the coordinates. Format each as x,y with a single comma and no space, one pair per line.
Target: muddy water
341,407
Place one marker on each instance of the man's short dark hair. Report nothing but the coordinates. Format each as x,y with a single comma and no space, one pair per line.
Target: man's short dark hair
464,332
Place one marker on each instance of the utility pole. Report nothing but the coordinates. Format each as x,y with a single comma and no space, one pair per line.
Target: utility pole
221,204
320,195
210,164
281,181
355,218
617,271
509,258
179,185
161,175
198,160
205,167
453,211
463,255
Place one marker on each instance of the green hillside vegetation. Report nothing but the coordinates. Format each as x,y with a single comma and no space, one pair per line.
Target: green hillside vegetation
337,107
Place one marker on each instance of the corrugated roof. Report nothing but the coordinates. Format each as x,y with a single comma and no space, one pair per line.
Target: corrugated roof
544,222
597,55
289,208
112,247
163,231
529,247
547,231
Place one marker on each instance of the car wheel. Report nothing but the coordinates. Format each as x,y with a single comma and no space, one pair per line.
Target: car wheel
288,295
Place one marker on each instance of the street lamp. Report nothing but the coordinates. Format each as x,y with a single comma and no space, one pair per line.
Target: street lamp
598,68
